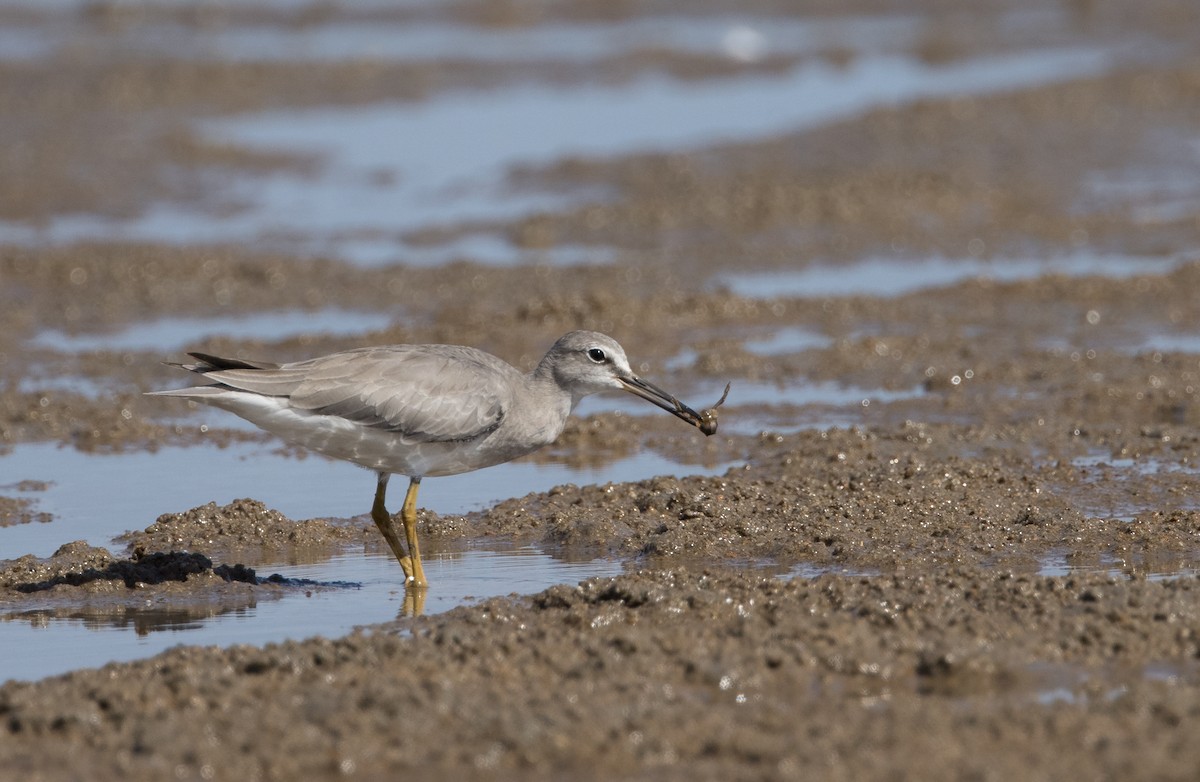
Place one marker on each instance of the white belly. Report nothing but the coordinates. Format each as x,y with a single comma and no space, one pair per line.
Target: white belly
375,449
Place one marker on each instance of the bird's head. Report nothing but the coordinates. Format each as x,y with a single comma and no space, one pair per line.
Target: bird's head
588,362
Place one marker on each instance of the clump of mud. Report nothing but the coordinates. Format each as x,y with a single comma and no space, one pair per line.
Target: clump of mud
95,570
20,510
242,527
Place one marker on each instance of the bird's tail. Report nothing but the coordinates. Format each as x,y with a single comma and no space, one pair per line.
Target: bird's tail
206,363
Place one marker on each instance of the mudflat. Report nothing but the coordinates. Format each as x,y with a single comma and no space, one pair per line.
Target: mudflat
982,567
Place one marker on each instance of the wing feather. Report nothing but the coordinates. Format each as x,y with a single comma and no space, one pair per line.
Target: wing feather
424,393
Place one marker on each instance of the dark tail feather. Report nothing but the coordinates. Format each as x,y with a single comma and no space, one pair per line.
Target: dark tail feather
209,363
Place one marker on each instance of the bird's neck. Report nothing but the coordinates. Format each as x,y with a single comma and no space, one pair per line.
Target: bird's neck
544,409
547,393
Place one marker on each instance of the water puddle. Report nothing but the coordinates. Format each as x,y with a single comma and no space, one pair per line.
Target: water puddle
1153,194
37,380
882,277
807,570
446,172
769,406
1082,685
166,334
824,393
24,44
1120,488
496,250
1168,343
1072,684
367,589
740,38
787,340
95,497
1058,564
1145,466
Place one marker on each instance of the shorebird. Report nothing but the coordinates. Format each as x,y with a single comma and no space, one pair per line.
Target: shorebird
423,410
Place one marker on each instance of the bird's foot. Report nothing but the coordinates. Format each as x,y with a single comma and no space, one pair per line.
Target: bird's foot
413,576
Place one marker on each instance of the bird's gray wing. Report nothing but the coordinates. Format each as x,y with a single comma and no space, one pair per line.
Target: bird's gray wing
424,393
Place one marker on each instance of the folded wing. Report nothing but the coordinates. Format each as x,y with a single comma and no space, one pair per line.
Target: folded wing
446,395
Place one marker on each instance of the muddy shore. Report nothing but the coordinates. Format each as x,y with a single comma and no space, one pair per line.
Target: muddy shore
987,572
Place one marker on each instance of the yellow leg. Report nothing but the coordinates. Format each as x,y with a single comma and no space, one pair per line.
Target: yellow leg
408,515
383,520
410,559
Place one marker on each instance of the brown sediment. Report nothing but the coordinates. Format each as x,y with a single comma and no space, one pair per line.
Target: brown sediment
244,529
20,510
989,574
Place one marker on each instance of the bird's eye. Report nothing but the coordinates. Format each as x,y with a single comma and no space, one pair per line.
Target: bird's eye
597,355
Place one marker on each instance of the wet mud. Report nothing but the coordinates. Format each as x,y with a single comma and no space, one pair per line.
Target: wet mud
978,563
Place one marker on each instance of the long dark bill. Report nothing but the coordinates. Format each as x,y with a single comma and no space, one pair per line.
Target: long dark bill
654,394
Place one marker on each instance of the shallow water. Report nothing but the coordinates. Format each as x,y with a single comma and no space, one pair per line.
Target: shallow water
791,339
1121,487
446,171
829,404
165,334
1144,466
809,570
351,590
370,190
966,700
898,277
750,392
1169,343
1057,565
741,38
95,497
